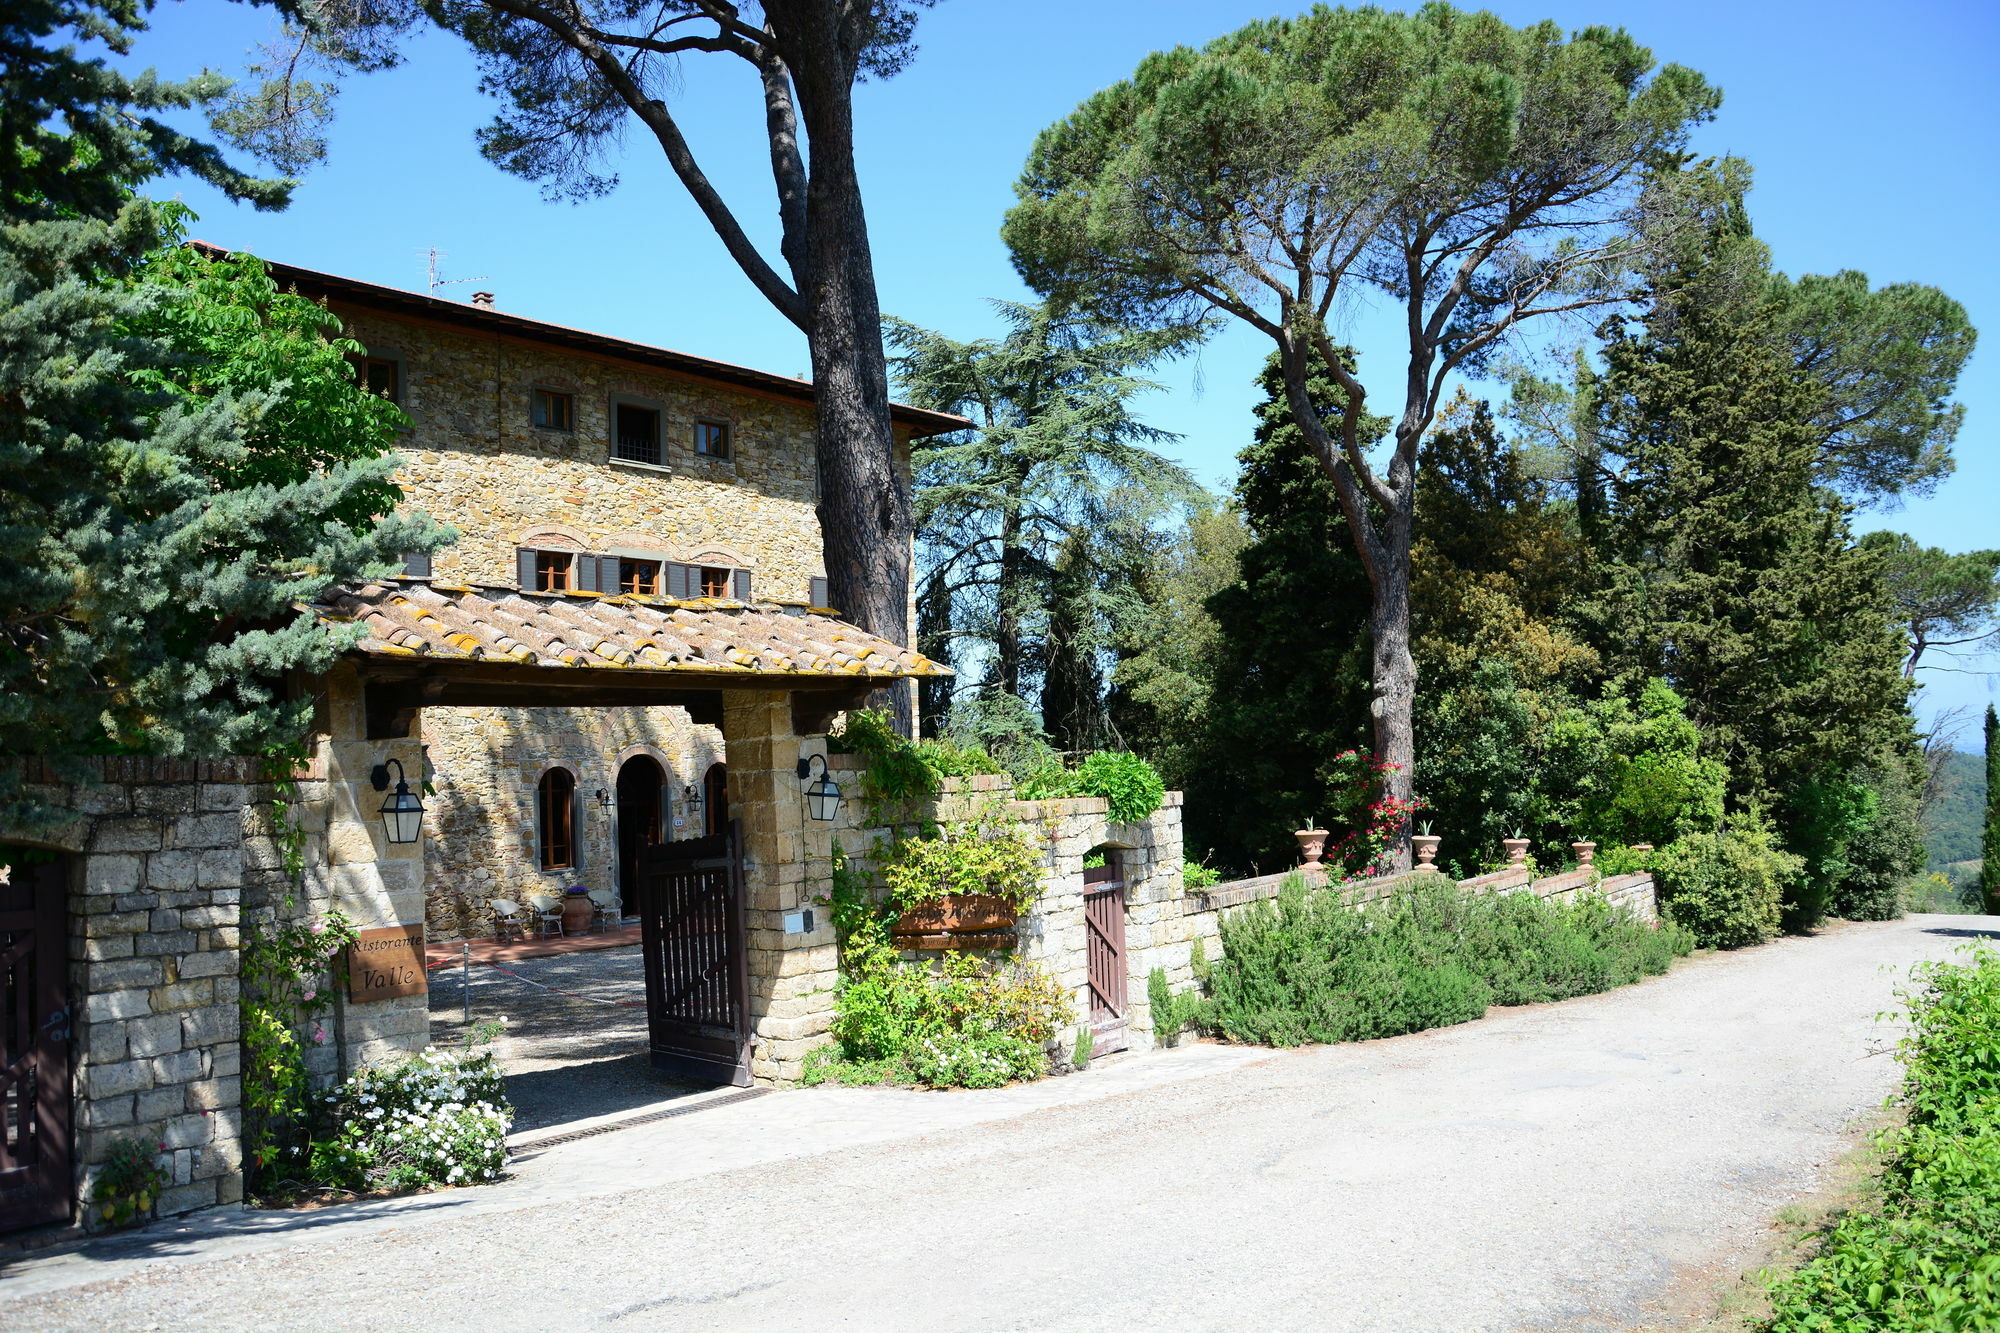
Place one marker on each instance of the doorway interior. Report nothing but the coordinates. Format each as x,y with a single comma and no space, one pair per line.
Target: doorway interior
643,801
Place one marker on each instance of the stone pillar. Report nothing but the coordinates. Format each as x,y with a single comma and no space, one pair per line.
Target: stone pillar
787,867
373,881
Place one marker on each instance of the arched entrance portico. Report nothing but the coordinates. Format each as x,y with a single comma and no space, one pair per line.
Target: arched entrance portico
642,821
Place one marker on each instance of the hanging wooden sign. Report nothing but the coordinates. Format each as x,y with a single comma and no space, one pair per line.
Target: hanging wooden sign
385,963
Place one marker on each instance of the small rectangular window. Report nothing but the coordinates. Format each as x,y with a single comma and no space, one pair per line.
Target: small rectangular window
555,411
552,571
711,438
714,582
382,377
637,434
640,576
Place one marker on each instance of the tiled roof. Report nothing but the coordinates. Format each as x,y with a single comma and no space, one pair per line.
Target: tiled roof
626,632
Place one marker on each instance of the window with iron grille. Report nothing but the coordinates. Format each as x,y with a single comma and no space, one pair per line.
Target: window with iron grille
636,436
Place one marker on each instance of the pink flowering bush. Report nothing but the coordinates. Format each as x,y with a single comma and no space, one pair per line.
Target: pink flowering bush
1364,821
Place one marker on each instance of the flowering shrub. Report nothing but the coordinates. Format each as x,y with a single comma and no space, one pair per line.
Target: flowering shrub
1365,820
128,1182
284,992
439,1118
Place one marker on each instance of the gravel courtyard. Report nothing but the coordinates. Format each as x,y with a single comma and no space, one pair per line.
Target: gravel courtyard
1604,1163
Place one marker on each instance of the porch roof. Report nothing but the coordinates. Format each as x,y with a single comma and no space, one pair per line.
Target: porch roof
704,642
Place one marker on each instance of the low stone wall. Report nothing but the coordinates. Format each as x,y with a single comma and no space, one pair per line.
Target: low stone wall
154,904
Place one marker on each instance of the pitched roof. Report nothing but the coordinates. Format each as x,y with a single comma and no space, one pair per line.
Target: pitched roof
707,636
396,302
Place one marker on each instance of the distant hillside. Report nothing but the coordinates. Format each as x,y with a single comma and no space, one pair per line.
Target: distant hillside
1952,831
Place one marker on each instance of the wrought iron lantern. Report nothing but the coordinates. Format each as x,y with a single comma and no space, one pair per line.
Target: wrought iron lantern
403,811
822,795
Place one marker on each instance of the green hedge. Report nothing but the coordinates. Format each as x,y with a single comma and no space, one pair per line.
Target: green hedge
1309,968
1929,1257
1726,887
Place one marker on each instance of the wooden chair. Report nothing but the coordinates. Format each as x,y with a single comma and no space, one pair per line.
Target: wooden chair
607,914
509,921
548,913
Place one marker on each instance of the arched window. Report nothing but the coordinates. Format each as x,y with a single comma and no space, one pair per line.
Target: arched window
555,819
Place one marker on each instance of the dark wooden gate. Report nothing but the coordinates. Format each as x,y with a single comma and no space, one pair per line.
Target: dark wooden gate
35,1184
1104,937
697,1003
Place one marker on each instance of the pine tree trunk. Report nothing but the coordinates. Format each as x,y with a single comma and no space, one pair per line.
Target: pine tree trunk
864,507
1007,599
1393,672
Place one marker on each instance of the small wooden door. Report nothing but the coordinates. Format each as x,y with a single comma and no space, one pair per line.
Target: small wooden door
1104,937
35,1179
697,988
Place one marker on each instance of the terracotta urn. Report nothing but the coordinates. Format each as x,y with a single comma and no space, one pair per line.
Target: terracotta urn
577,912
1642,846
1585,851
1312,844
960,912
1426,847
1517,850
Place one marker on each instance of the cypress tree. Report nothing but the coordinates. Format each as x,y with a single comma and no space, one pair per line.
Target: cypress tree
1989,847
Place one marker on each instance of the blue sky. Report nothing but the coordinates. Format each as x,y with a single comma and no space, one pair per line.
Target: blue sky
1873,131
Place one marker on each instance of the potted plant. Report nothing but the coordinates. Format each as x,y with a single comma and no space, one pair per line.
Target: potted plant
1585,851
1426,845
577,909
1312,845
1516,848
967,879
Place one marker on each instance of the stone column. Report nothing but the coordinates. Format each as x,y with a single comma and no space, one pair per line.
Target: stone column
787,866
373,881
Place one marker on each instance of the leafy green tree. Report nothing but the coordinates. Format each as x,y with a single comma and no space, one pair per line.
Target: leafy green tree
1037,523
1944,600
574,77
1476,176
1737,580
164,508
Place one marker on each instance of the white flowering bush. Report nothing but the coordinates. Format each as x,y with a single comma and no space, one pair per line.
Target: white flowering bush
439,1118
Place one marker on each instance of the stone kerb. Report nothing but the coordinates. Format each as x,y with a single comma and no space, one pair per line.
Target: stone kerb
154,916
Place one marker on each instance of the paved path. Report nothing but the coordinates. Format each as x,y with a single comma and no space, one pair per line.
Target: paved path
1589,1165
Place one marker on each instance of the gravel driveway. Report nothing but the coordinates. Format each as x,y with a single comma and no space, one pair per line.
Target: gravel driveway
1598,1164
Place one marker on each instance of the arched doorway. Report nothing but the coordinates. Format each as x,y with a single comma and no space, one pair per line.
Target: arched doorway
642,821
715,799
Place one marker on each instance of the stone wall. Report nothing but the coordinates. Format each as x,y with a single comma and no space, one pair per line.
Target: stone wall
154,938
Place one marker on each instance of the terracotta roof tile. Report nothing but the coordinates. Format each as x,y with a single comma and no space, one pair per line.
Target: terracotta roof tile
619,632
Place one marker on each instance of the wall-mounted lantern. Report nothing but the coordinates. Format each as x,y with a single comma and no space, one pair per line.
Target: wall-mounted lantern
691,800
402,812
603,799
822,795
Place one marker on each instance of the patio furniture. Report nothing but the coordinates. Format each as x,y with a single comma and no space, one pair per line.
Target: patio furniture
509,921
609,915
548,913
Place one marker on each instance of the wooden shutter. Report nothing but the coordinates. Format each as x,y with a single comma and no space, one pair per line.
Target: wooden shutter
821,591
416,564
585,565
742,581
678,579
525,560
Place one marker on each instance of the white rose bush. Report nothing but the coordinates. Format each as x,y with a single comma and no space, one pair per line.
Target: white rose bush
439,1118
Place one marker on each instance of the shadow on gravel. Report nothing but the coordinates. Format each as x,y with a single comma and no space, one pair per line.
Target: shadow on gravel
1963,932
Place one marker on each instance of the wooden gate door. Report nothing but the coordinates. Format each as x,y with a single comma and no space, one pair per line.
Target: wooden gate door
697,1003
1104,937
35,1182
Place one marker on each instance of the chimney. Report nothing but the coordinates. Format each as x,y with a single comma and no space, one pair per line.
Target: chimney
484,300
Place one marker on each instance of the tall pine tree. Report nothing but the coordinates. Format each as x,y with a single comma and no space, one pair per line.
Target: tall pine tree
1738,580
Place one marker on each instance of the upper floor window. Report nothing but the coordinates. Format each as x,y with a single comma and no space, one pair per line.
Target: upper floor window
554,571
382,376
640,576
554,411
715,582
636,433
555,819
711,438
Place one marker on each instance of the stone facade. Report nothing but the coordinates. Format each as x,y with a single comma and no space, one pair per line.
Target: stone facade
154,910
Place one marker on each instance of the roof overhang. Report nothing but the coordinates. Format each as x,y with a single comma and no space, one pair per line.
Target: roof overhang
396,303
435,644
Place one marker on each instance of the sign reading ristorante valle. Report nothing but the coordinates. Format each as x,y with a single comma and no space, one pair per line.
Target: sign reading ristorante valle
385,963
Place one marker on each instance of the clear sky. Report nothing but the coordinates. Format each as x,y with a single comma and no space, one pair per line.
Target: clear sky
1873,129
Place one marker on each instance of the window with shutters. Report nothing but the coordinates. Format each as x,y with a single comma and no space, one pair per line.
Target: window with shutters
640,576
715,582
555,571
711,439
554,410
820,592
555,819
636,433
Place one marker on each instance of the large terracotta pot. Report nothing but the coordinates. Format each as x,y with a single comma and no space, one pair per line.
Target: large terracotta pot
1585,852
1312,844
577,912
959,912
1517,850
1426,845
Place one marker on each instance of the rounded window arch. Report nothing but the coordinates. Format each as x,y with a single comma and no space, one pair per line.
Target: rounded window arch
555,820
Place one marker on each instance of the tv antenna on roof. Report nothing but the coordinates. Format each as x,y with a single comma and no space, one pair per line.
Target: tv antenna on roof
436,280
